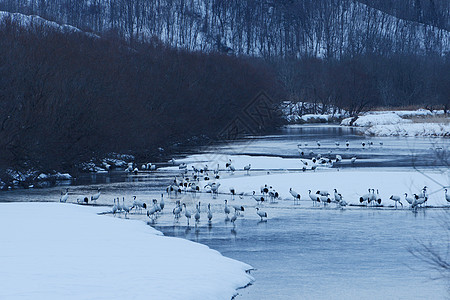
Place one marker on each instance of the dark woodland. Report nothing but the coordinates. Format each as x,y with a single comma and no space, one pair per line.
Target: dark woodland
161,72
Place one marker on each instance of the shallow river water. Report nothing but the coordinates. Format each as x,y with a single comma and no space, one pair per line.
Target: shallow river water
307,253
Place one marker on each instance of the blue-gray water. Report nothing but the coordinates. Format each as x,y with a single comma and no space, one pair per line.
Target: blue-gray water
331,254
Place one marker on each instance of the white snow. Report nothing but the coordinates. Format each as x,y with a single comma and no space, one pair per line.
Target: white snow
351,183
33,20
376,119
393,123
413,129
66,251
421,112
315,118
63,176
239,161
306,112
42,176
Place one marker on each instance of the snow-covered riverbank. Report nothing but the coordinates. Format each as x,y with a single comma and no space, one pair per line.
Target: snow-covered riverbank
65,251
399,123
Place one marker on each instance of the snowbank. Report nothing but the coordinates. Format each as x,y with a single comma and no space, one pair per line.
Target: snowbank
393,124
414,129
305,112
421,112
239,161
64,251
376,119
352,184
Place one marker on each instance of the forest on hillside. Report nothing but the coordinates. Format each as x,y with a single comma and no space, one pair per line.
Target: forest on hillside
66,98
265,28
156,73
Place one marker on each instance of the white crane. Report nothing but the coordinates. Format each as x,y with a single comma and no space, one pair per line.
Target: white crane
228,163
162,204
325,199
65,196
295,195
264,189
424,194
114,208
137,204
314,197
156,205
238,209
187,213
322,193
232,192
396,199
96,196
337,196
347,143
151,212
447,196
233,218
273,194
215,188
366,198
338,158
409,199
226,209
177,211
197,214
125,209
210,215
378,198
419,199
216,172
261,214
342,203
353,159
247,168
258,199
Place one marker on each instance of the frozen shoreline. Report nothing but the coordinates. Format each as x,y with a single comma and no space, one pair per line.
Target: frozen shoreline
64,251
395,123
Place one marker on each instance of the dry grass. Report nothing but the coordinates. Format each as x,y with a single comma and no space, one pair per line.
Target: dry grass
387,108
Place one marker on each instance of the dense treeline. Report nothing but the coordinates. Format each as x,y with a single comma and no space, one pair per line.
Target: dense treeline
267,28
68,97
65,98
361,83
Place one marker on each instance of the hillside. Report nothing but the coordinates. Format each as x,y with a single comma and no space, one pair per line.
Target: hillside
306,28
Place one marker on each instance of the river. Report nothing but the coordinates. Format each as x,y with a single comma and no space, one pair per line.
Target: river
304,253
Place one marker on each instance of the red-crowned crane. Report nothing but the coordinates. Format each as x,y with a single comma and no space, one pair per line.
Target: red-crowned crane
261,214
396,199
65,196
96,196
187,213
295,195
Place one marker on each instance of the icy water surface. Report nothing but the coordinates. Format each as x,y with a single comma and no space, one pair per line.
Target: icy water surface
329,254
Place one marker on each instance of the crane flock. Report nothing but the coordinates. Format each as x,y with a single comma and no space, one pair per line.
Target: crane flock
200,179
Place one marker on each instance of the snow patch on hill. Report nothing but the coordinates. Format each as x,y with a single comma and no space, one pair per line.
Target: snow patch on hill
33,20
